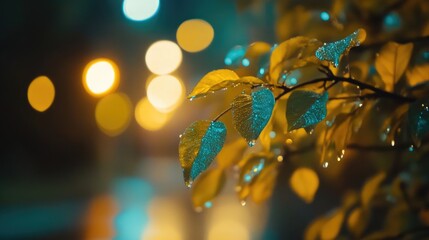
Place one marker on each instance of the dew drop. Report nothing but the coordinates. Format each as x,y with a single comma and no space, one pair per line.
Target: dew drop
251,143
180,136
325,164
191,99
279,158
208,204
189,183
338,158
243,203
392,143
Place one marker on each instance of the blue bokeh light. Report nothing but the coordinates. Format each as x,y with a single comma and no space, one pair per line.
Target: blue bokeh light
325,16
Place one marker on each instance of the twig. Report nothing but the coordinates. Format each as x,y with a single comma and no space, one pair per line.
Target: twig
221,114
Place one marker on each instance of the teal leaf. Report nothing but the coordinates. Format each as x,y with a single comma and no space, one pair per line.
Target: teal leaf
418,117
305,108
251,113
199,145
333,51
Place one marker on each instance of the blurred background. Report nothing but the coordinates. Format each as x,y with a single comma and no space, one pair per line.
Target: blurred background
93,103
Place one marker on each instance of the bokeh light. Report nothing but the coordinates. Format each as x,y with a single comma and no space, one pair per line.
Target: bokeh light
41,93
163,57
139,10
149,117
113,113
194,35
165,93
99,219
100,76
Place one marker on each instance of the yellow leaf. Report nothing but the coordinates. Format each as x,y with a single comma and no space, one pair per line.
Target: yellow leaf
207,186
304,182
332,227
257,49
370,188
263,187
418,74
313,229
220,79
357,221
291,54
232,153
392,61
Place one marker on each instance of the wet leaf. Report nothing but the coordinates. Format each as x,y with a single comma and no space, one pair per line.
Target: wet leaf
304,182
357,221
274,131
291,54
232,153
392,61
199,145
220,79
333,225
263,187
418,74
332,52
418,120
370,188
250,113
257,49
207,186
305,108
312,231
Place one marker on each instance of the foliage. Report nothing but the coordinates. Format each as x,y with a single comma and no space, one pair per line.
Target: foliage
335,96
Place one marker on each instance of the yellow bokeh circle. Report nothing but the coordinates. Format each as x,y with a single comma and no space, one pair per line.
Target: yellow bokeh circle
163,57
113,113
100,76
194,35
165,93
149,117
41,93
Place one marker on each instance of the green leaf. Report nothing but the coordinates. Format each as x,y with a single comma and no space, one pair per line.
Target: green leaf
207,186
304,182
370,188
199,145
392,61
220,79
250,113
333,52
418,120
305,108
291,54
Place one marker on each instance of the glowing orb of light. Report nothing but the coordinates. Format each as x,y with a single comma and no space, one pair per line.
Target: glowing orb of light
148,117
139,10
194,35
165,93
163,57
113,113
41,93
100,76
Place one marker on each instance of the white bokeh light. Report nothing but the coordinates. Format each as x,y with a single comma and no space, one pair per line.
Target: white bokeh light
139,10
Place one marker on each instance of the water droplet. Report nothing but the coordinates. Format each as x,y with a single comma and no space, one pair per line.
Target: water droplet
243,203
392,143
251,143
189,183
325,164
208,204
272,134
279,158
311,131
191,99
338,158
180,136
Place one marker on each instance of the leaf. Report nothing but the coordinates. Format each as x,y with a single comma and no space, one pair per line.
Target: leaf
257,49
304,182
199,145
333,52
392,61
370,188
232,153
332,227
263,187
305,108
291,54
220,79
418,74
207,186
418,120
250,113
357,221
313,229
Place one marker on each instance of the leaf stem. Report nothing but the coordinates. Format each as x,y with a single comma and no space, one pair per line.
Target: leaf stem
221,114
